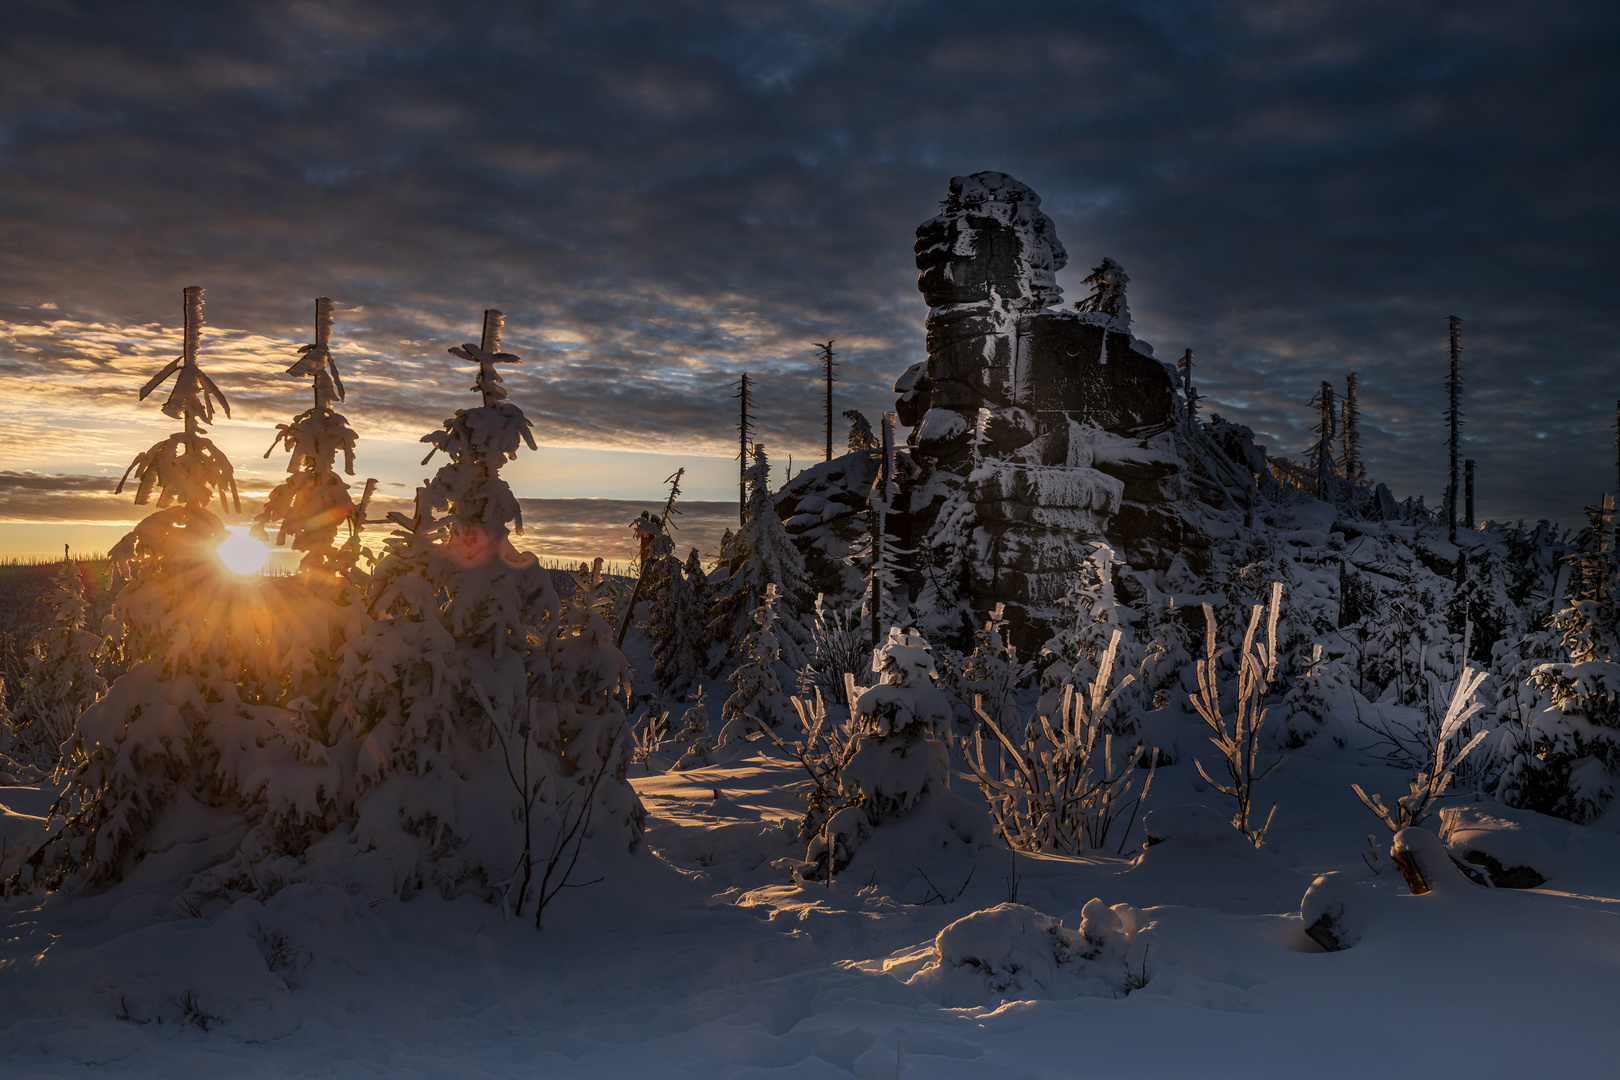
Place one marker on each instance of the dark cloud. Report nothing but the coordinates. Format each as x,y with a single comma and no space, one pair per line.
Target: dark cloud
663,195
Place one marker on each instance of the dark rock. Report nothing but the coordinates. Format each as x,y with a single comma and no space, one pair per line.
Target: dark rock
1506,877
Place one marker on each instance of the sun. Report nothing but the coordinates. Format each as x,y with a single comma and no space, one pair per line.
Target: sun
241,553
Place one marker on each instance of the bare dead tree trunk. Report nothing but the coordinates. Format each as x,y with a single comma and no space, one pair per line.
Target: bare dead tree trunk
880,512
826,348
1351,444
1468,493
745,438
1454,419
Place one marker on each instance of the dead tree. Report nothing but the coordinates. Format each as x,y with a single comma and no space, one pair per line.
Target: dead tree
745,439
826,348
879,504
1454,420
1468,494
1350,438
1327,418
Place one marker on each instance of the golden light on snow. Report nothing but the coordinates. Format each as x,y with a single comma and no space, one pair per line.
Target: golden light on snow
241,553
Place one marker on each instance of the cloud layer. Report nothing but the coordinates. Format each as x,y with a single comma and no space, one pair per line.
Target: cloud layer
660,196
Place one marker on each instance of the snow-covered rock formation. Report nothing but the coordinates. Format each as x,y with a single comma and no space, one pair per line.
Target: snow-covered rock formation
1034,432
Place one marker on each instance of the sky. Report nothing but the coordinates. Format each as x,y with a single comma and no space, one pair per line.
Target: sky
660,196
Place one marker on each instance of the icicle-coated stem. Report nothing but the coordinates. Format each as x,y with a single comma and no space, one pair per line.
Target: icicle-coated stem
494,321
1238,741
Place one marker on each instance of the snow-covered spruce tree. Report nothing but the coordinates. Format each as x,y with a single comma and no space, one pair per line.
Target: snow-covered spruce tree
62,680
898,764
692,734
761,554
326,601
312,507
680,643
494,733
1569,756
192,732
757,700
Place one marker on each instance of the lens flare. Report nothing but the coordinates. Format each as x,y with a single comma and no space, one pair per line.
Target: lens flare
241,553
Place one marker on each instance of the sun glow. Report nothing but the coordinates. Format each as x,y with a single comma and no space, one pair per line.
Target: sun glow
241,553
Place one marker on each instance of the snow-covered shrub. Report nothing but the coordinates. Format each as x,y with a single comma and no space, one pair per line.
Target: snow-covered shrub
62,679
1014,951
840,645
1063,787
1238,739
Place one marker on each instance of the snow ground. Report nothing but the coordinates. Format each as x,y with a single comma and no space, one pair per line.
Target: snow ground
698,959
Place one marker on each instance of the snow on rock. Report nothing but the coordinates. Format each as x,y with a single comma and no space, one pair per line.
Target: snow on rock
1520,849
1045,487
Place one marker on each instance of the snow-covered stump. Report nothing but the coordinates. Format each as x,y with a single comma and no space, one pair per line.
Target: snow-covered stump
1426,864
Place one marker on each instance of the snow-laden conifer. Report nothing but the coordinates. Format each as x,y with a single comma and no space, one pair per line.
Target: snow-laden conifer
680,644
757,699
312,506
898,760
200,727
1568,760
1107,283
692,735
861,436
1093,617
761,553
495,734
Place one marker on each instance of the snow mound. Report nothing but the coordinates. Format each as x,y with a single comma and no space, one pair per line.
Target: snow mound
1334,911
189,972
1015,952
1190,825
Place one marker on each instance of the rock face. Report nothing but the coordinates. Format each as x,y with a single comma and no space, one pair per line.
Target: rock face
1034,432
